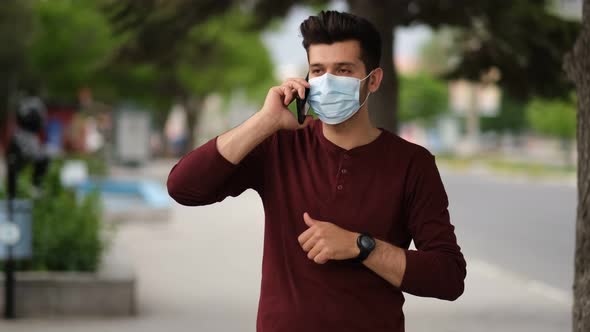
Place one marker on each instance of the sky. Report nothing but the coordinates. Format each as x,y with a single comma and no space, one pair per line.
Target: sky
284,42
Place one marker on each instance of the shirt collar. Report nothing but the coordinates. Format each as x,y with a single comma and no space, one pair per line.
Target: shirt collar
366,148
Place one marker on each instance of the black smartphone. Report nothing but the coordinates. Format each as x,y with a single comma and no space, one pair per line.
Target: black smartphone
302,106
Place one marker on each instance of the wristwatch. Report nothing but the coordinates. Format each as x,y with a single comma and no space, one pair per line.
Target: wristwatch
366,244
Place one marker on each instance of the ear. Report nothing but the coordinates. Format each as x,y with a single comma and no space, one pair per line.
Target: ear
375,80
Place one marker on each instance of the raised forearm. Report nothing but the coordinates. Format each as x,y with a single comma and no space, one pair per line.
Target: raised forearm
235,144
231,163
200,177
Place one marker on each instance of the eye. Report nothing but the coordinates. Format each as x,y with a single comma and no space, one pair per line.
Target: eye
315,71
344,71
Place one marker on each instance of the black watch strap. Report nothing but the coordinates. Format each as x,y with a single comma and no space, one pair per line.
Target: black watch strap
366,243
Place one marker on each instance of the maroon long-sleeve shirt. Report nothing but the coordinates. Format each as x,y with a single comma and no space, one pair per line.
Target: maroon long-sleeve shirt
390,188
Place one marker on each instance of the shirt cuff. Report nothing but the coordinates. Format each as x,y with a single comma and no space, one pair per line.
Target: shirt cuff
220,161
430,274
412,278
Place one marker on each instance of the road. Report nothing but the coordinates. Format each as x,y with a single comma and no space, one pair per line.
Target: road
527,228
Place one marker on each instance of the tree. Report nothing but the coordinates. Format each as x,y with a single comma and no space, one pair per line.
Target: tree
554,118
53,48
70,44
577,66
511,117
422,98
194,48
494,35
16,27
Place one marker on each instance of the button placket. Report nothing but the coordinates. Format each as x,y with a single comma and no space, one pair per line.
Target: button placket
344,163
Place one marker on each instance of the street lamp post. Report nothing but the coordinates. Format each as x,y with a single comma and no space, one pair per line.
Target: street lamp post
9,238
24,148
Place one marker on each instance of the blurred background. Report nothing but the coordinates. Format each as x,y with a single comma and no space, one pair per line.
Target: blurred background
99,99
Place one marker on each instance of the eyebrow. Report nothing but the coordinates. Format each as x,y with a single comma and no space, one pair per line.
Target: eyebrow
340,64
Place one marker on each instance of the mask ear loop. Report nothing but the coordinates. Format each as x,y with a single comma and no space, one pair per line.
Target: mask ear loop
367,98
368,75
369,92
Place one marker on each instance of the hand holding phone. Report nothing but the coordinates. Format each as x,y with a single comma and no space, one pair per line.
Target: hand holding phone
278,99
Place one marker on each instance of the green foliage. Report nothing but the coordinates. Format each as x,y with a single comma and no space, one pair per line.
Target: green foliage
23,186
136,82
556,118
497,34
511,117
230,56
95,162
16,25
486,34
66,228
71,43
185,51
64,45
422,98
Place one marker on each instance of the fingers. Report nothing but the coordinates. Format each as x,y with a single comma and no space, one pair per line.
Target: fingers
290,88
319,255
300,80
284,93
289,94
322,257
305,236
297,85
314,251
310,243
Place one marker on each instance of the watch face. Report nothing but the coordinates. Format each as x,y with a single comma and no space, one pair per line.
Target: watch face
367,242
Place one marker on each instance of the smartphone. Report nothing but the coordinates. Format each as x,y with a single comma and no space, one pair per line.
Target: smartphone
302,106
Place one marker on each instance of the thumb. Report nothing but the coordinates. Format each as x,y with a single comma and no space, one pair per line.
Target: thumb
308,220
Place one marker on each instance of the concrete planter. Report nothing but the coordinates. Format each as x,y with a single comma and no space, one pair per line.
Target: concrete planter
110,292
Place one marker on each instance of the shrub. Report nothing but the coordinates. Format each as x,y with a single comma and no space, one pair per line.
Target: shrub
66,228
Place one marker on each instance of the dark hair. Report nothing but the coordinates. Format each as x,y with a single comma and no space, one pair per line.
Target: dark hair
331,26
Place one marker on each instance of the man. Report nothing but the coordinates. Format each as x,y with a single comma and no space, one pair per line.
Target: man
342,199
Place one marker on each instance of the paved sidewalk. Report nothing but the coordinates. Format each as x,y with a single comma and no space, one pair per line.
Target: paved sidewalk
200,271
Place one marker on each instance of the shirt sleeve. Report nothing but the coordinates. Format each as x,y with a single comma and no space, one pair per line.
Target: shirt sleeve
204,176
437,268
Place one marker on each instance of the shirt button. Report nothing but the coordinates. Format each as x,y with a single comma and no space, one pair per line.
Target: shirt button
339,187
344,171
346,156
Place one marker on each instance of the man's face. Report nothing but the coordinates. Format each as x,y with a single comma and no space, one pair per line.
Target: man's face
341,58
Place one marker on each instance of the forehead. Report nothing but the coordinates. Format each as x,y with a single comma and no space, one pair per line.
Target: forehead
339,52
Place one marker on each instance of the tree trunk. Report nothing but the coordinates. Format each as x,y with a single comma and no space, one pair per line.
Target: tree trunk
193,107
383,104
577,65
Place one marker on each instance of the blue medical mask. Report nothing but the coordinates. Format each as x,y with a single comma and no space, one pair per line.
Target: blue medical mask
335,99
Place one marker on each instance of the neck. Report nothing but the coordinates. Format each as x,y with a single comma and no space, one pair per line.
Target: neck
354,132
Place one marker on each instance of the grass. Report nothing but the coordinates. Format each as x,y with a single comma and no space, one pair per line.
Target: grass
508,167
